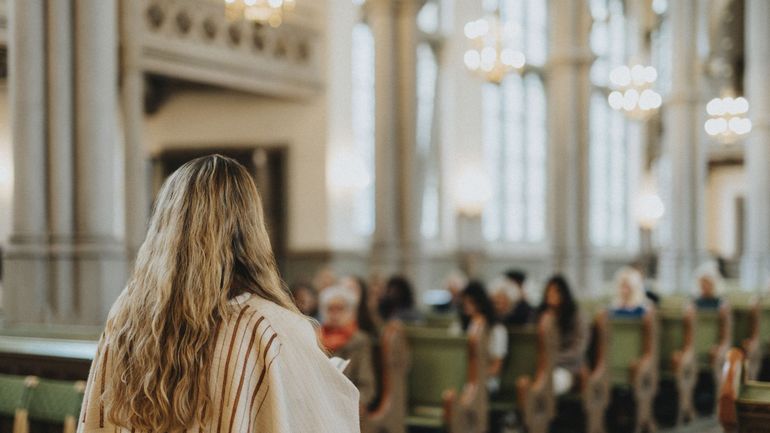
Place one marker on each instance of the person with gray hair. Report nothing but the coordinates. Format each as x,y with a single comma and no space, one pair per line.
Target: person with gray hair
709,286
630,299
341,336
509,299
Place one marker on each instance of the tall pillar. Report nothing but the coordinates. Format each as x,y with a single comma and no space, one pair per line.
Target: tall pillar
568,153
398,173
412,167
755,270
385,240
26,274
137,169
683,183
66,258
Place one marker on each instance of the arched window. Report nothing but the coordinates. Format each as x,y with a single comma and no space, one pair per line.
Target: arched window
610,161
429,25
514,133
362,121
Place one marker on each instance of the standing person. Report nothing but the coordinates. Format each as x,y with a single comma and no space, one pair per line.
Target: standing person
630,299
477,311
340,335
573,339
205,336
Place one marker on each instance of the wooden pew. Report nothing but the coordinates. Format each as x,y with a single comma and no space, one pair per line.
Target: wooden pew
744,405
677,360
595,383
746,322
447,381
713,338
390,414
51,358
526,385
633,363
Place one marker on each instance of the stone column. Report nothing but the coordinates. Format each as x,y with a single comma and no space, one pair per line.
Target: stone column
755,270
66,259
61,156
26,273
411,166
568,153
386,238
683,182
138,173
398,174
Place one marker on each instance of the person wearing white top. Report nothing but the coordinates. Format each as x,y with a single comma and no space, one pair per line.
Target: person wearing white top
477,308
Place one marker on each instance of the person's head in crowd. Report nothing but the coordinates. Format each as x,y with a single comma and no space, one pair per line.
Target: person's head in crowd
325,277
558,299
476,304
629,289
708,281
306,298
338,307
399,297
516,276
455,283
504,294
363,313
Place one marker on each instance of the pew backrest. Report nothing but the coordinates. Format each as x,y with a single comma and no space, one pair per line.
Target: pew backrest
439,362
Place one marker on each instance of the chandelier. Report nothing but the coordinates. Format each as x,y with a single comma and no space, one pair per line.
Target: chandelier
727,121
633,94
260,11
491,56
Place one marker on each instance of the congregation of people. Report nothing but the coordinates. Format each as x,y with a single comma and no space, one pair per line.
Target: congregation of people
352,312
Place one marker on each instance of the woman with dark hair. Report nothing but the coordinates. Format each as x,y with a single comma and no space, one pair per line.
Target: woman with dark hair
558,300
366,318
398,301
477,310
305,298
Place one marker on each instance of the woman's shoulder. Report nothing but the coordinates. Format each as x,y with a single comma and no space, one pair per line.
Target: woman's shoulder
273,311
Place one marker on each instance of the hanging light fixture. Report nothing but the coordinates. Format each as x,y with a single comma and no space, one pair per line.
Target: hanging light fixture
260,11
727,118
491,55
632,91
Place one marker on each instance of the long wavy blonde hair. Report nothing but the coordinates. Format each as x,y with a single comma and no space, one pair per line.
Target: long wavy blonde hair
206,243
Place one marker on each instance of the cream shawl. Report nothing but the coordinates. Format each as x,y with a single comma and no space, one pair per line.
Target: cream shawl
268,375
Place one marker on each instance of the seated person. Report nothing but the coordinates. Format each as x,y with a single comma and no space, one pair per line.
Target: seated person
477,311
523,312
305,298
573,340
366,316
342,338
630,299
398,301
708,287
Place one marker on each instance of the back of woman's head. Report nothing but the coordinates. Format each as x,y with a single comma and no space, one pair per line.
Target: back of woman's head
206,243
567,309
477,294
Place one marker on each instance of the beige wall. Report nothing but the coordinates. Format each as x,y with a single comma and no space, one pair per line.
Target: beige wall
218,118
725,186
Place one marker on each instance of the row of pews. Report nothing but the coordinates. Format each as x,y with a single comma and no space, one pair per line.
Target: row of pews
638,373
666,368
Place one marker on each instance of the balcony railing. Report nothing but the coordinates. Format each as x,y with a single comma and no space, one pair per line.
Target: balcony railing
193,40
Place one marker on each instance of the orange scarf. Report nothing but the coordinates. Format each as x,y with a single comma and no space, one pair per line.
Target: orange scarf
334,339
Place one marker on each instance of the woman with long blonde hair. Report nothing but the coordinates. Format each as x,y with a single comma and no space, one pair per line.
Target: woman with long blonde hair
205,337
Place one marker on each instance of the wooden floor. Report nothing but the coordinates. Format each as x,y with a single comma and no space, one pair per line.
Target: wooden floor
704,425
